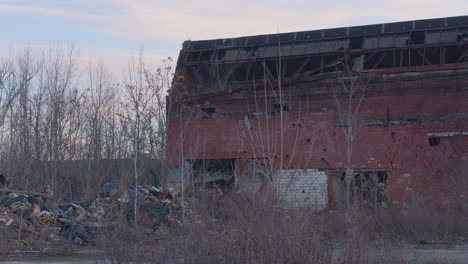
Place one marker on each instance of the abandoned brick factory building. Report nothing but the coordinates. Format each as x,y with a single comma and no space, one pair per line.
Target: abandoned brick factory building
386,104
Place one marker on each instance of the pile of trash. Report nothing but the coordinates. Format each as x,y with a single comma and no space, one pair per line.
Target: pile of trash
34,216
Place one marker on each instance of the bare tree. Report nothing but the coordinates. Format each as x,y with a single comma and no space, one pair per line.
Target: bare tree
143,115
348,90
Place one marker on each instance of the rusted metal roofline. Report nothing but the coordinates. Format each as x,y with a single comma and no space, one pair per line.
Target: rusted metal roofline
325,34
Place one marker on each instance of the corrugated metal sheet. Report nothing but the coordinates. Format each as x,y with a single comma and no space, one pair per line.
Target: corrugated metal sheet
334,33
372,42
441,37
313,48
236,54
287,50
395,41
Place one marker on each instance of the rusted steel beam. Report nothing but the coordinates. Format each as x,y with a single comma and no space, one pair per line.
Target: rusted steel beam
306,61
382,56
341,52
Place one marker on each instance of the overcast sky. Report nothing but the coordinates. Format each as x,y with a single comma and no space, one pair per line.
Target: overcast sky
110,31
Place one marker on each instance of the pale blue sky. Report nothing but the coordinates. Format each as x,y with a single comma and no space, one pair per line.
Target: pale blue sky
110,31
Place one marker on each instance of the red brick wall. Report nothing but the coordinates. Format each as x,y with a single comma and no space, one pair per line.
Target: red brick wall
417,171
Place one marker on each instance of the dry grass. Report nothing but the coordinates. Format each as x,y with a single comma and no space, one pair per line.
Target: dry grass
242,229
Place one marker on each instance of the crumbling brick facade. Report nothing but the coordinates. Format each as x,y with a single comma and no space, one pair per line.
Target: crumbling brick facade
262,104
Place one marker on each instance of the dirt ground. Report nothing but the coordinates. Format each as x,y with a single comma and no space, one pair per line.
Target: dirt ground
424,254
457,254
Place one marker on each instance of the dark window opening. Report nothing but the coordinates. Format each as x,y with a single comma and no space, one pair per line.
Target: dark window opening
208,112
433,55
403,57
205,55
296,124
332,61
256,71
388,61
305,65
191,56
238,73
199,73
356,43
278,108
452,54
368,188
434,141
381,60
271,69
416,57
417,37
372,61
214,173
221,53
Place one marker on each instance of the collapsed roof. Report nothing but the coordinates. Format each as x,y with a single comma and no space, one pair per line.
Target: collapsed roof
211,66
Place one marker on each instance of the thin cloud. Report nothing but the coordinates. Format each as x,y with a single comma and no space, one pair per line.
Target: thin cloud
49,12
145,19
140,22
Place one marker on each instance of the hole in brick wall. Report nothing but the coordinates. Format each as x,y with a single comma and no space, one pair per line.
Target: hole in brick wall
303,191
287,155
324,150
278,108
208,112
308,140
215,173
296,124
434,141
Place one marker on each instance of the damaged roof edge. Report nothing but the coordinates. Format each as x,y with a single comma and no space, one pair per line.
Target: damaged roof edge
332,33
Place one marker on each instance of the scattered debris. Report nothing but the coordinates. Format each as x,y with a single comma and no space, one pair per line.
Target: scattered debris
40,217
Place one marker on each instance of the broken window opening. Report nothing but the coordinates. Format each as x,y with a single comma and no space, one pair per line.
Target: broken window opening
356,43
367,189
205,55
278,108
433,55
296,124
416,57
434,141
417,37
452,54
214,173
220,53
208,112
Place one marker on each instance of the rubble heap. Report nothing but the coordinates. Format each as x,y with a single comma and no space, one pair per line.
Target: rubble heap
41,217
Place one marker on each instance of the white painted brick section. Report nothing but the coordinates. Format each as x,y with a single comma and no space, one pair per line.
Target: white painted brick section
304,187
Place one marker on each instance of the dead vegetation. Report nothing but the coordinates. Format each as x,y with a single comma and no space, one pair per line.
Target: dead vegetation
234,228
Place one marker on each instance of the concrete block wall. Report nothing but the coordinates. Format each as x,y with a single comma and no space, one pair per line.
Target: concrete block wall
303,187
